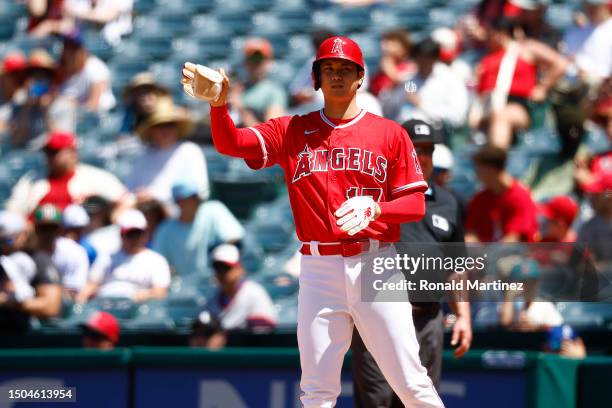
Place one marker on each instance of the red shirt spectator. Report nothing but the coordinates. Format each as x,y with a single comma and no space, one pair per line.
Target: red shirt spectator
492,216
395,67
504,210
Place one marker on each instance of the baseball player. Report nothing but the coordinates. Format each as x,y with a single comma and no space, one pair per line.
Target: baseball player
352,178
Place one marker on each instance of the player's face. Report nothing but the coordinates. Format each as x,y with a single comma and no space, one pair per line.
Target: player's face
339,78
425,155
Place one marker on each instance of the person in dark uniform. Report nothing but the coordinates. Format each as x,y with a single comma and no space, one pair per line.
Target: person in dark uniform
442,223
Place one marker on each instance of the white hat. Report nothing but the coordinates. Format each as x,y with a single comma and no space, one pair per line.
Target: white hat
226,253
11,223
442,157
75,216
132,219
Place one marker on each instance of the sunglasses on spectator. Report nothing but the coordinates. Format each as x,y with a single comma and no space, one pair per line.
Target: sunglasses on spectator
132,233
221,267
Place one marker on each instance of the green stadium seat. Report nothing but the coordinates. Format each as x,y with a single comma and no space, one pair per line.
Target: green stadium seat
295,19
241,195
236,19
287,313
580,314
183,308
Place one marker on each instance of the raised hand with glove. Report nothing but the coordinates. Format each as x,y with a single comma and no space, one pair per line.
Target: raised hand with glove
205,83
356,213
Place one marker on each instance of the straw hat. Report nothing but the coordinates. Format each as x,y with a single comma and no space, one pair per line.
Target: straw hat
143,79
166,112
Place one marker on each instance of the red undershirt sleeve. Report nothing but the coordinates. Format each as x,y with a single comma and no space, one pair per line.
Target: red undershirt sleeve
407,208
230,140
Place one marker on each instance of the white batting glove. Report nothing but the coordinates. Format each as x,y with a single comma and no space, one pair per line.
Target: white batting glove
355,214
201,82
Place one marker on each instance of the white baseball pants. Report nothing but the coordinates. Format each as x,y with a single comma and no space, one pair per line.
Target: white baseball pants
329,303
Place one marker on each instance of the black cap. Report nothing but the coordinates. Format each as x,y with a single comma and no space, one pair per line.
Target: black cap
422,132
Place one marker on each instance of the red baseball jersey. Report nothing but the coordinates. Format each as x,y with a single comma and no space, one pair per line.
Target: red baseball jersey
327,163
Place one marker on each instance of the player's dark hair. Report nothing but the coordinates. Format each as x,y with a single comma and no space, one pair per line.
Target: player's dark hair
491,156
316,73
504,25
400,36
427,48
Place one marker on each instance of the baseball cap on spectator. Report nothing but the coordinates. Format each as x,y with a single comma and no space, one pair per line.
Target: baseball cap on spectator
422,132
48,214
11,224
60,139
103,323
41,59
525,270
75,216
561,208
258,47
13,62
601,184
442,157
132,219
448,41
184,189
226,254
557,334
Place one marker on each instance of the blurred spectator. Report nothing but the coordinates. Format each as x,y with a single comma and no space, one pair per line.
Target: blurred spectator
84,78
67,182
450,48
45,17
155,213
207,332
31,120
530,313
166,158
512,76
75,223
202,225
261,98
27,288
239,302
531,15
443,163
590,47
102,234
435,93
112,17
558,216
596,234
101,331
134,272
589,170
141,96
69,258
504,210
395,65
564,341
12,77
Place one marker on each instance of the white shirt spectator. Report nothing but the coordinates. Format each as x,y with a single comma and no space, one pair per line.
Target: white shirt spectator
20,269
542,313
116,28
251,306
122,275
443,97
87,181
158,170
78,86
71,261
591,48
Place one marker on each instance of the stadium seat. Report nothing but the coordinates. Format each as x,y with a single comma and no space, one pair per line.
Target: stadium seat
144,6
183,308
295,19
580,314
486,315
279,286
7,26
121,308
236,19
98,46
287,313
151,316
242,195
352,19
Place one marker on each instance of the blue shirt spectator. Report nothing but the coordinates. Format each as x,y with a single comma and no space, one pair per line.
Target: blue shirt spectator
185,242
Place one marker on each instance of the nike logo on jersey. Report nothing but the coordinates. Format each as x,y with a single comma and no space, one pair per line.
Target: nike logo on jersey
338,159
310,132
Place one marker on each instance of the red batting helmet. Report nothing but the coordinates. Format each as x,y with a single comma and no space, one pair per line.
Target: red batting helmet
336,47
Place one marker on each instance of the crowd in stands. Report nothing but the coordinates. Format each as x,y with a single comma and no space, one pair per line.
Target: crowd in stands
117,198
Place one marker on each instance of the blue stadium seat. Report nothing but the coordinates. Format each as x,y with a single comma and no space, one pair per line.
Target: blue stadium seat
200,6
287,313
279,286
174,19
236,19
295,19
579,314
352,19
123,68
151,316
7,26
144,6
97,46
121,308
183,308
